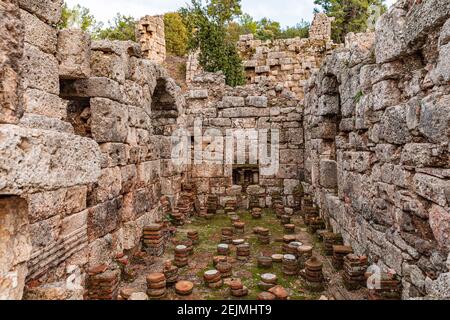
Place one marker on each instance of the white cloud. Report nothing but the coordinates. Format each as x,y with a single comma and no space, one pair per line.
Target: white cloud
287,12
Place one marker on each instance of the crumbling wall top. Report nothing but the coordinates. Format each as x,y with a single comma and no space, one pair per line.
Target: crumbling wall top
150,34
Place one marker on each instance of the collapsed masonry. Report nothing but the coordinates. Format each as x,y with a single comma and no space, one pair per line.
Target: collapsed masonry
85,136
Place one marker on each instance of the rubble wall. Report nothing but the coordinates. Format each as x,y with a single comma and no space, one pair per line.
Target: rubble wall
220,107
84,148
287,63
376,124
150,34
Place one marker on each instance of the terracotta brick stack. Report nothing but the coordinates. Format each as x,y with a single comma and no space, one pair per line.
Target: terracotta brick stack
156,285
268,281
102,284
329,240
213,279
314,275
339,252
289,265
212,204
354,269
181,256
154,239
237,289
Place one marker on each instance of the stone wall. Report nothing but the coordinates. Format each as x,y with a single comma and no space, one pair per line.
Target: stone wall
223,108
377,144
287,63
150,34
85,142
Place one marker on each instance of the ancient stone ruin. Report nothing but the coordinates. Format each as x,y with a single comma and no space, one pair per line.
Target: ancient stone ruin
92,203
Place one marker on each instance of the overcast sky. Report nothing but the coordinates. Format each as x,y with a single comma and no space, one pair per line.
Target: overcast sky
287,12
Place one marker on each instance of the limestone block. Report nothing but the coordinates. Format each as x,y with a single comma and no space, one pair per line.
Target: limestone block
44,233
45,104
245,112
138,118
287,171
148,172
394,128
295,136
40,70
129,177
423,18
15,246
328,174
37,160
65,201
220,122
114,154
198,94
325,130
250,63
233,102
291,156
11,50
35,121
73,224
432,188
435,118
389,37
133,94
440,224
328,105
108,185
441,74
101,251
423,155
47,10
38,33
207,170
92,87
385,94
74,54
104,218
108,121
262,69
107,63
444,37
257,101
55,291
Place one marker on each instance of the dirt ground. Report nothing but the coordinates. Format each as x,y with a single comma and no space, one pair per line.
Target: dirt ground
202,260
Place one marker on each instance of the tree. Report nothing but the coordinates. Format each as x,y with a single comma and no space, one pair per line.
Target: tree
176,34
268,29
207,33
223,11
301,30
77,17
350,15
121,28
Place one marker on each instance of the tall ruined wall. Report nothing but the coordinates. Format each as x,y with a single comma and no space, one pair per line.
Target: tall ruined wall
376,121
84,146
257,107
151,36
286,63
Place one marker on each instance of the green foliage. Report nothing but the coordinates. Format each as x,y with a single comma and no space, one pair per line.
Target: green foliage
265,29
350,15
207,30
77,17
223,11
301,30
268,29
176,34
121,28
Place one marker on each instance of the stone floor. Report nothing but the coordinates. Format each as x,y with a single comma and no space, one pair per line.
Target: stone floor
201,261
